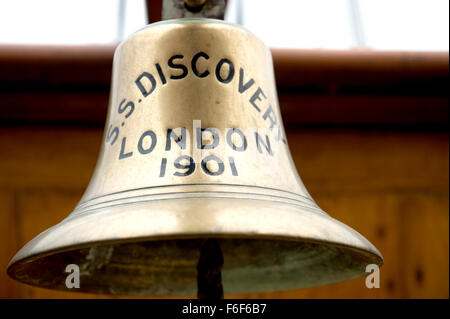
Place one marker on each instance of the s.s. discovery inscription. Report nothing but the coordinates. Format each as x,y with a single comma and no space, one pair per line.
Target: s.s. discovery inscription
235,139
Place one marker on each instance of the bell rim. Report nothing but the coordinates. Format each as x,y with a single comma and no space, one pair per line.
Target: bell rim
376,259
319,213
30,258
363,249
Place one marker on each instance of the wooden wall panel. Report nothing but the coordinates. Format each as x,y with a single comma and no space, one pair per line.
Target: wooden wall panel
41,158
426,248
390,186
353,161
9,243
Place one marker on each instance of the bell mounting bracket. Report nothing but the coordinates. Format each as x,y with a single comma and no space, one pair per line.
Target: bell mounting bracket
176,9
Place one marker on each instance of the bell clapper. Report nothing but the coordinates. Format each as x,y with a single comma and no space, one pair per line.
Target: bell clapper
176,9
209,270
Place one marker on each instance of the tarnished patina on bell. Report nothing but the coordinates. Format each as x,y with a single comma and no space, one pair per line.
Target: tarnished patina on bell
194,147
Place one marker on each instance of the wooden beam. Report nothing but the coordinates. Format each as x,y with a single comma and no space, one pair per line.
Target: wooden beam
26,66
340,68
70,84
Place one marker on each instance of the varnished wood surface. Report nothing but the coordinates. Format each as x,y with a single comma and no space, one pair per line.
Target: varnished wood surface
391,186
70,85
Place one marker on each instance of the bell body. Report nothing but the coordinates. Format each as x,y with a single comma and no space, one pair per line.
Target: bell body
194,147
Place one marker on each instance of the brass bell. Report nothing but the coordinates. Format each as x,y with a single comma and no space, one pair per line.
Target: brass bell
194,148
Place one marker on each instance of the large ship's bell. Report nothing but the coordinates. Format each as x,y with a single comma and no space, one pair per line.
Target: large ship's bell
194,165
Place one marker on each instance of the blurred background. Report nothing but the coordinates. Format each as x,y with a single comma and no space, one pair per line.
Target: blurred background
323,24
363,90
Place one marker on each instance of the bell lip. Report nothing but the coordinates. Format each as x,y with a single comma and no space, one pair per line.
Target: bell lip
376,258
61,238
375,255
152,208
